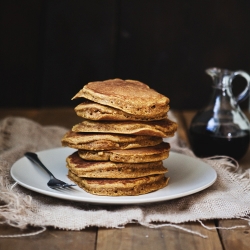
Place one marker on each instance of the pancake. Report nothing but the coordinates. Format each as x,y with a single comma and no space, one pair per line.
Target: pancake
121,187
162,128
108,169
95,111
138,155
102,141
130,96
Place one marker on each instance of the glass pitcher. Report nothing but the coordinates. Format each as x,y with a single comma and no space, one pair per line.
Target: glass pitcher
222,128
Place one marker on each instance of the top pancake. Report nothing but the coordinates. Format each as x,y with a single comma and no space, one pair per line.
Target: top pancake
131,96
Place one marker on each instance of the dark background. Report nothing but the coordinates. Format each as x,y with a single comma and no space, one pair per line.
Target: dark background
50,49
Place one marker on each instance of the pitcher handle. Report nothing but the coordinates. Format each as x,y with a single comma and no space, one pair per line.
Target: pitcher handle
245,93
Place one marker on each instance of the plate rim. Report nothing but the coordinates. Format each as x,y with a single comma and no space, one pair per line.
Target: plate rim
117,200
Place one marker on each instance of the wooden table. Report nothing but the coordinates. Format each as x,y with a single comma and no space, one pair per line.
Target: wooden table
133,236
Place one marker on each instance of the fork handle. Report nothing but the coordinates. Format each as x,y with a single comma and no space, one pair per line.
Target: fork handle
34,158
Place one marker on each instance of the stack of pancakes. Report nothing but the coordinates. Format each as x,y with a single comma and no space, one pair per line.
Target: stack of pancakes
120,148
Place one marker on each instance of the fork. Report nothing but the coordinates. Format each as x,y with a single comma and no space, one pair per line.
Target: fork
53,182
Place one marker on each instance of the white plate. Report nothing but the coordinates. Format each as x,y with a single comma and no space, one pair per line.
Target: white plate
187,176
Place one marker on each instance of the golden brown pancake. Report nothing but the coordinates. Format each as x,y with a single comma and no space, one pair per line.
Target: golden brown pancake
95,111
108,169
162,128
137,155
121,187
131,96
103,141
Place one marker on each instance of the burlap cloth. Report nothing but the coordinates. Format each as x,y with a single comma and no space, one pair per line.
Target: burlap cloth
228,197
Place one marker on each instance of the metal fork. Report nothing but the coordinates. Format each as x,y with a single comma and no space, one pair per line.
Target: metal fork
53,182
